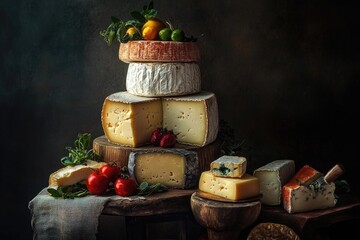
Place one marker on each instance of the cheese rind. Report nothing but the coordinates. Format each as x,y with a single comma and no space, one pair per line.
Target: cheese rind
175,168
159,51
129,120
272,177
230,188
163,79
194,119
70,175
228,166
299,195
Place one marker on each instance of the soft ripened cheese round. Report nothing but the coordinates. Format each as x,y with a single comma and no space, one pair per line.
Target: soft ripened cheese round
159,51
163,79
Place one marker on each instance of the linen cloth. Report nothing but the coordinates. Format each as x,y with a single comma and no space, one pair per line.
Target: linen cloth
75,219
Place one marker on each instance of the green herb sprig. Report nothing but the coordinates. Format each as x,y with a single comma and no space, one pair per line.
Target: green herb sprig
146,189
81,152
77,190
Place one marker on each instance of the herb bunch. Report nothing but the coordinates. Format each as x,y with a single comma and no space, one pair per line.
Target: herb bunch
81,152
77,190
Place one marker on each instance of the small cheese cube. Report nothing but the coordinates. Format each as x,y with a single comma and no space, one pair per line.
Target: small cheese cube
177,168
230,188
129,120
194,118
272,177
228,166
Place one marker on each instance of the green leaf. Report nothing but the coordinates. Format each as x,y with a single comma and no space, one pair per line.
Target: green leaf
54,193
138,16
66,161
143,185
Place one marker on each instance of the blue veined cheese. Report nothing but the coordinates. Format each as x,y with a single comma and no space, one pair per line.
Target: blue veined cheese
175,168
163,79
228,166
272,177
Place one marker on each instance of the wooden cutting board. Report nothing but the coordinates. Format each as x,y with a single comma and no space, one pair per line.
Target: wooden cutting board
110,152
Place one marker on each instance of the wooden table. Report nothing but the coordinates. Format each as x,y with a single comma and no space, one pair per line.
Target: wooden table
309,225
162,215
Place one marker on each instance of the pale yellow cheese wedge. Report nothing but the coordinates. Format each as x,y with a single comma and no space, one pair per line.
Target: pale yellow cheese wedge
230,188
70,175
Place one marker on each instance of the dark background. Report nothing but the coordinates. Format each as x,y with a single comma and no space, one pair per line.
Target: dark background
286,74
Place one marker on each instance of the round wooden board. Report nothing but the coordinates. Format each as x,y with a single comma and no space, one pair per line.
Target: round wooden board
110,152
221,199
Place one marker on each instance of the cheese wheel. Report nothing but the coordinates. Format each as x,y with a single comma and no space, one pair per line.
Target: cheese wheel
163,79
159,51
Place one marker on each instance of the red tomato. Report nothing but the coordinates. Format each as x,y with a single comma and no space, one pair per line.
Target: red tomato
97,183
111,171
125,187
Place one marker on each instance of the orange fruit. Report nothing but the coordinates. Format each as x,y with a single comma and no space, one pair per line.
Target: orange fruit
151,28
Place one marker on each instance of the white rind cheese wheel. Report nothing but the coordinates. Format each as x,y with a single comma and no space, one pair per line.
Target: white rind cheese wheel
163,79
159,51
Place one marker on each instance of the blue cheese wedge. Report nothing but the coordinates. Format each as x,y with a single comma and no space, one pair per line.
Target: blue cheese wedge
174,168
228,166
272,177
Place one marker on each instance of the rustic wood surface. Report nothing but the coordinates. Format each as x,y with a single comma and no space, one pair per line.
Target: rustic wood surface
224,220
304,224
171,201
210,196
119,154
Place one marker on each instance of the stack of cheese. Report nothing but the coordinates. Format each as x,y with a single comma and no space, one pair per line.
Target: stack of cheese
163,86
227,178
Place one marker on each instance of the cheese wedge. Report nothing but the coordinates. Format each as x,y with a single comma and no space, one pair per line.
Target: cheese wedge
70,175
228,166
159,51
175,168
163,79
129,120
230,188
300,195
194,119
272,177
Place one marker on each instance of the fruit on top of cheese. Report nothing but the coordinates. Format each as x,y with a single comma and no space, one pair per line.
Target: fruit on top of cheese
298,197
175,168
163,79
194,118
228,166
230,188
159,51
129,120
272,177
70,175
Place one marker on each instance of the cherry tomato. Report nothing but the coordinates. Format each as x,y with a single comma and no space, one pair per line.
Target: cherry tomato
112,171
125,187
97,183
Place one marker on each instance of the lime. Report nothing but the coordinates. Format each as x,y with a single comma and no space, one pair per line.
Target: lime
178,35
165,34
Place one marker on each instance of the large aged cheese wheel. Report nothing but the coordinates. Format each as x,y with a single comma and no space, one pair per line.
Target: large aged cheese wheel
159,51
